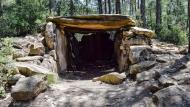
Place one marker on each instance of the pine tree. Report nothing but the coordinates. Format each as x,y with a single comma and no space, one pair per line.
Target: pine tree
158,16
118,6
100,10
143,13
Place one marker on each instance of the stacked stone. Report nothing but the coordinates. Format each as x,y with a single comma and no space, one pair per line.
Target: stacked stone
140,55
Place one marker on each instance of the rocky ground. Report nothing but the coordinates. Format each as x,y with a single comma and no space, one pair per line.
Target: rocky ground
166,84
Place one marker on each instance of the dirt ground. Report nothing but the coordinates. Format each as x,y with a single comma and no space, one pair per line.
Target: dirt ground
85,93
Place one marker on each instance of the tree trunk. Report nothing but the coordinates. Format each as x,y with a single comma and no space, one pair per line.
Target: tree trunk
138,4
100,10
86,6
109,6
118,6
59,8
143,13
189,23
72,8
158,15
105,8
131,7
52,6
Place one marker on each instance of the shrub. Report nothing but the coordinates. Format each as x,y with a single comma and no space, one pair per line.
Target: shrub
173,34
6,63
22,18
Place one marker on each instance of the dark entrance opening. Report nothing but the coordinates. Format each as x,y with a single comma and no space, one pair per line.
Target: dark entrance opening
90,50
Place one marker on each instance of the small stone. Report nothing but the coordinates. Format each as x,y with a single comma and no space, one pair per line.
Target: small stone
111,78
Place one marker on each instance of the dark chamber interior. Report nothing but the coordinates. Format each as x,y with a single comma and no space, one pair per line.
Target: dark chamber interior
90,51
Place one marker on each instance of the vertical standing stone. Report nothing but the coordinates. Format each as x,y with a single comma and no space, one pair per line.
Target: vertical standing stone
61,48
122,52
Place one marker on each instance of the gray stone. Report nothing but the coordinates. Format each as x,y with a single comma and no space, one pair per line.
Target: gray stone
140,53
173,96
29,87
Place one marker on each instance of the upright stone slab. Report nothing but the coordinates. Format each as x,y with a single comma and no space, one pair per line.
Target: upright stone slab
61,48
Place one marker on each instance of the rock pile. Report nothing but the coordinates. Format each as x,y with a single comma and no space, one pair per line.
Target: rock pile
160,68
35,62
140,56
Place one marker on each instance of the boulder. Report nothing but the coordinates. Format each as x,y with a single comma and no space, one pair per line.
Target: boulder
49,63
113,78
37,48
29,58
143,32
28,69
140,53
173,96
142,66
28,88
